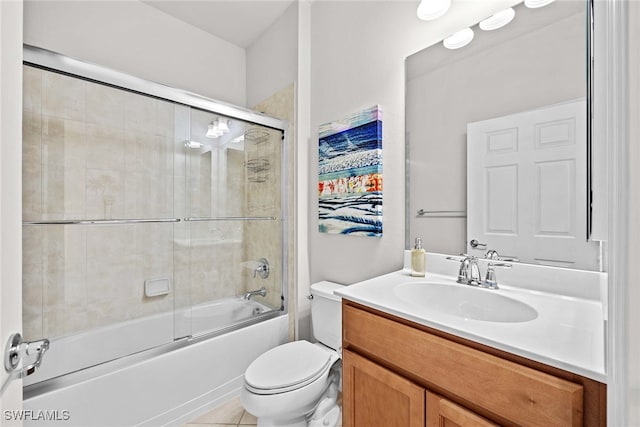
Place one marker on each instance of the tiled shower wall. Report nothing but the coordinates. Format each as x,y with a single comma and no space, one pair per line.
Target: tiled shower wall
264,238
96,152
282,105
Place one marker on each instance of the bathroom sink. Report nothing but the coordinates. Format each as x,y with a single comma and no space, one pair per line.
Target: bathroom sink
465,301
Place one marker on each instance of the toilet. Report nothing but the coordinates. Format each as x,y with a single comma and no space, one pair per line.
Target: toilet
296,384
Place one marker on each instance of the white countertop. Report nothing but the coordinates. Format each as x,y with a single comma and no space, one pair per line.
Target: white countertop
568,332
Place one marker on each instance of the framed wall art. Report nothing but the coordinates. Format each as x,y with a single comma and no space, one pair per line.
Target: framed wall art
350,174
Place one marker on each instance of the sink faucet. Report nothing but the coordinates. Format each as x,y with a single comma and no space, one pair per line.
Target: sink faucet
469,272
262,292
490,281
493,254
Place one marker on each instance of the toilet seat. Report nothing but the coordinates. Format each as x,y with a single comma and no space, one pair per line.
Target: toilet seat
287,367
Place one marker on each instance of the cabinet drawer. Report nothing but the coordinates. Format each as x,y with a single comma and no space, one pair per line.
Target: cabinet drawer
516,393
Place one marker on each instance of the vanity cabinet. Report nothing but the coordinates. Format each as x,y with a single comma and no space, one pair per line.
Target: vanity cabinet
444,413
399,373
378,396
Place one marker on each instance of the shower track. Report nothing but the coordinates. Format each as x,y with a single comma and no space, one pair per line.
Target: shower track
138,221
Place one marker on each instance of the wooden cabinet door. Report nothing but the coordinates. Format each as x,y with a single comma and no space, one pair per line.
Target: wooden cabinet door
376,397
444,413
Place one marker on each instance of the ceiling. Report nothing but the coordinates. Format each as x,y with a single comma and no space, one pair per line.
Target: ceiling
239,22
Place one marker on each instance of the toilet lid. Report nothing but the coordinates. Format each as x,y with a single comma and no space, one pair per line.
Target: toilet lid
286,367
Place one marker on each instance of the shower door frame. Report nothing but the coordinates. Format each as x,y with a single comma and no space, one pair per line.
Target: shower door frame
51,61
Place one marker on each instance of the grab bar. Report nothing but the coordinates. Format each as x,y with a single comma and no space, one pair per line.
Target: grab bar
441,214
233,218
139,221
99,221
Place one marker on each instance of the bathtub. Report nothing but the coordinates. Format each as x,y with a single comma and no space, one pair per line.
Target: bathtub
167,384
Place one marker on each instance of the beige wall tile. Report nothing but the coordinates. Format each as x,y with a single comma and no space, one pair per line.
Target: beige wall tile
104,194
105,149
31,166
142,152
32,288
105,106
282,105
32,90
63,96
53,129
139,113
74,193
75,280
75,319
75,150
32,300
141,191
165,119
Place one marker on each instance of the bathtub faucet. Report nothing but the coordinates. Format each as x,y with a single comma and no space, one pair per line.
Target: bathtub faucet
262,292
262,269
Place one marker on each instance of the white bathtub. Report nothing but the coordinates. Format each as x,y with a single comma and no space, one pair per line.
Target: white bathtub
170,388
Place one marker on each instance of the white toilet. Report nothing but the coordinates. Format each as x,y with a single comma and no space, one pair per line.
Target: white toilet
296,384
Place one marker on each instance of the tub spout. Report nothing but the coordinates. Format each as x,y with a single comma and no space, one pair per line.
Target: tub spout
262,292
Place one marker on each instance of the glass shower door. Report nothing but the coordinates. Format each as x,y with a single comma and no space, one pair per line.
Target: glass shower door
99,165
234,223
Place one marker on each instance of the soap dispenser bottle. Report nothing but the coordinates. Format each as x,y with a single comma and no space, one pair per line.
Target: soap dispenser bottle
418,259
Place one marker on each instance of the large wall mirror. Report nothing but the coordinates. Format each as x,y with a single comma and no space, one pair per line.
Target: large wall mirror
498,141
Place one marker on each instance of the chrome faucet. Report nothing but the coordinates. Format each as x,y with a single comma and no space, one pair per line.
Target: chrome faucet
262,292
493,254
262,269
469,272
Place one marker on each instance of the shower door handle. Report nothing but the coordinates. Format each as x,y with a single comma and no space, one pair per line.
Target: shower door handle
17,350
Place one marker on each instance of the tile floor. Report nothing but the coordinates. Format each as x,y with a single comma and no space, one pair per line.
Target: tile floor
230,414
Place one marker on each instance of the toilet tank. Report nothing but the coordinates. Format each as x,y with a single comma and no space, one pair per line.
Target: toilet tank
326,314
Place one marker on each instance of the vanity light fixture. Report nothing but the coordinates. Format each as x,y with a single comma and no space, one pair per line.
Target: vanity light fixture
498,20
223,126
459,39
432,9
217,128
213,131
534,4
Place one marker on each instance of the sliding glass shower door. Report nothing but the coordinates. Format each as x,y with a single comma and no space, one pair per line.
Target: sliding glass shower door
233,223
145,220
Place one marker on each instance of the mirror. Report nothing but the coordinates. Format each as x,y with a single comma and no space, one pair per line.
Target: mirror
497,141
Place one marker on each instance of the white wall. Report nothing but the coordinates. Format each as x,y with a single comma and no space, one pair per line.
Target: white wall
358,50
272,60
632,369
137,39
10,190
303,117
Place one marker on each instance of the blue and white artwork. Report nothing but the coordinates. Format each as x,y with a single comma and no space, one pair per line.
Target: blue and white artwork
350,175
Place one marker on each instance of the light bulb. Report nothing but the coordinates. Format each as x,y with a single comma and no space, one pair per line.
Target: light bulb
432,9
534,4
213,131
459,39
498,20
223,126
